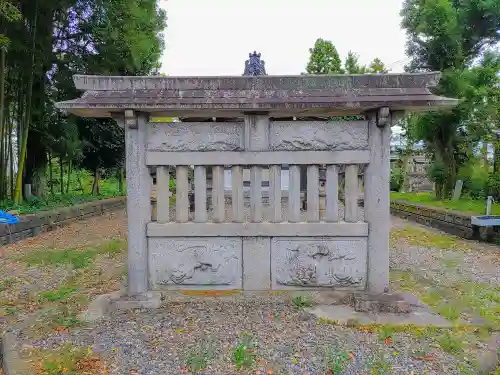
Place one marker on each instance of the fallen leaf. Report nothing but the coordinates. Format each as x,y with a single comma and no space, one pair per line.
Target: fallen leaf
388,340
426,358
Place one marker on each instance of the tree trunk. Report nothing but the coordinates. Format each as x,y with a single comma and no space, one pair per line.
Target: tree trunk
11,160
496,160
50,175
27,117
120,179
95,184
80,182
3,133
69,176
61,174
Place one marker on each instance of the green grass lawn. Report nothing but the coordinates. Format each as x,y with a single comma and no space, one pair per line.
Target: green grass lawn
463,205
108,189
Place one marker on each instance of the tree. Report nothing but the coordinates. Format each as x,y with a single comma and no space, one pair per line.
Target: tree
377,66
117,37
324,59
352,65
449,36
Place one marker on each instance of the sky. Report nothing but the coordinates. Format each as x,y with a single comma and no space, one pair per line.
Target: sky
206,38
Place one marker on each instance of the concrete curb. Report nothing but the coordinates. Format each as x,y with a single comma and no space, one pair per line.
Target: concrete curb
12,365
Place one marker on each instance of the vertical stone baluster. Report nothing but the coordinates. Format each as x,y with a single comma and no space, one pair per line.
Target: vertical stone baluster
182,194
200,194
218,202
162,194
139,186
275,192
294,194
237,193
332,193
313,193
351,193
256,193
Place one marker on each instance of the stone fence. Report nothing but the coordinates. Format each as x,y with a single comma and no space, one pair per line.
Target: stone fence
34,224
453,222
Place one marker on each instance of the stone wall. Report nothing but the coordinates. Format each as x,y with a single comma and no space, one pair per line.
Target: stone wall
456,223
34,224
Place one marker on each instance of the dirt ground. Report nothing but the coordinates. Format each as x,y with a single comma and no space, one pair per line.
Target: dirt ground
48,280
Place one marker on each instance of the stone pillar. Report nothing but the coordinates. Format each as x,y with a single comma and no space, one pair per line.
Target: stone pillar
139,186
377,210
256,250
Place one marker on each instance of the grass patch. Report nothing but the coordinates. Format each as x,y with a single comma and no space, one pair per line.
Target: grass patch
35,204
200,357
77,258
300,302
455,299
421,237
70,360
469,206
243,355
59,294
450,343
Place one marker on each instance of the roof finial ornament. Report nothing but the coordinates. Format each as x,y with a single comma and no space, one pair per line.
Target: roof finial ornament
254,66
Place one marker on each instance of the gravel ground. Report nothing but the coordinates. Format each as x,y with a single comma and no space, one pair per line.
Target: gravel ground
287,340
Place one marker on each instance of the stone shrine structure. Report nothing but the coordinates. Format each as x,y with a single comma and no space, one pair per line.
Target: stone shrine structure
260,247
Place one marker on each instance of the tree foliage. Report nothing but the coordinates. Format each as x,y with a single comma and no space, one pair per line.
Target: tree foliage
115,37
457,38
324,59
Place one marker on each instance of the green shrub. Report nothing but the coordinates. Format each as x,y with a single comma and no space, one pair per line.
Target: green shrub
397,177
494,185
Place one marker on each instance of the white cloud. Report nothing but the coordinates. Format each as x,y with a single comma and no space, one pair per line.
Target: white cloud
214,37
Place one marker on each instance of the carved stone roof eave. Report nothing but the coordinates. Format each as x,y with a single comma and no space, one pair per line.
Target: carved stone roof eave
279,95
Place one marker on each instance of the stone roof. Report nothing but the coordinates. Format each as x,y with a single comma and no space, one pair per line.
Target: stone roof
305,95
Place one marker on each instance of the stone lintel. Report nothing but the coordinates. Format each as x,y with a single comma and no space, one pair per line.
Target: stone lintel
308,82
278,96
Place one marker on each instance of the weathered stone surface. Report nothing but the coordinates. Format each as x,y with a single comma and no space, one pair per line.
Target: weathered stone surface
318,135
195,262
319,262
195,136
279,95
345,315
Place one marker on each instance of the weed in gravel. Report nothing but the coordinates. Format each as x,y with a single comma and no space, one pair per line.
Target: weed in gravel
448,310
334,361
449,262
59,294
70,360
199,358
450,343
243,354
300,302
380,365
6,283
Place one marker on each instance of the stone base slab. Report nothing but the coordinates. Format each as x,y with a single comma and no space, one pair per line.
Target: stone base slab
340,306
345,315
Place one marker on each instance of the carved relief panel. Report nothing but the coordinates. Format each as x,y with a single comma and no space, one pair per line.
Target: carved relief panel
195,136
179,262
319,262
318,135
